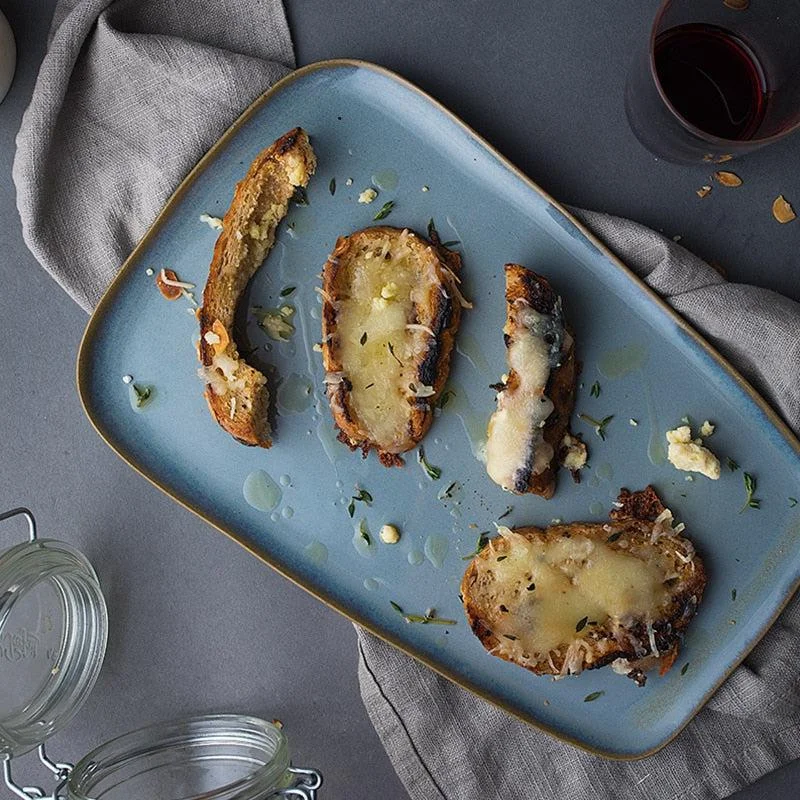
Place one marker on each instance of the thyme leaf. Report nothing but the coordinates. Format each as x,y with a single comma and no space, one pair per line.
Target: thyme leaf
445,398
750,487
434,473
386,209
483,538
141,394
391,350
598,425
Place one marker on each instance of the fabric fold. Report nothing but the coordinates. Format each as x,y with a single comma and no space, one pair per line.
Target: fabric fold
128,98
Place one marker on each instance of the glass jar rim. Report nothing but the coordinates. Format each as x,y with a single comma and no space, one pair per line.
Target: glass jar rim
224,731
23,569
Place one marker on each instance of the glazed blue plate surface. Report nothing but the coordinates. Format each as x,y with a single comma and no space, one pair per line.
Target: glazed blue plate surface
370,127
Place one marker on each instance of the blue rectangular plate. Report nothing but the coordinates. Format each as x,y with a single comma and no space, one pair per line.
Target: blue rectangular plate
365,122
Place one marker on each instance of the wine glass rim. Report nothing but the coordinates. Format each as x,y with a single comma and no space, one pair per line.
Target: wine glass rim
728,144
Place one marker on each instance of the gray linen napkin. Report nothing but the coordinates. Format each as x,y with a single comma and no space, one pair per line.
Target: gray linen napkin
447,743
130,96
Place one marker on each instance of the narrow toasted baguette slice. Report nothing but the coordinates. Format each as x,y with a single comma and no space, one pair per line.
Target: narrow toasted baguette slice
526,433
391,308
571,597
237,393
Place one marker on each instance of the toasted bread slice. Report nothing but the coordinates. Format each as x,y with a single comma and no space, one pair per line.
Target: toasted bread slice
572,597
391,308
237,393
534,404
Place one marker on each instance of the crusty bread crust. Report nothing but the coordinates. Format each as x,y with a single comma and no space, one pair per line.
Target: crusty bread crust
259,203
603,644
525,286
438,310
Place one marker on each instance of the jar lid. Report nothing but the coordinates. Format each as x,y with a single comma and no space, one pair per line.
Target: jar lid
53,631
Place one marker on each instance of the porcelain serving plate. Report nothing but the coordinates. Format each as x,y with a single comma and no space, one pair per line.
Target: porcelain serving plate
289,505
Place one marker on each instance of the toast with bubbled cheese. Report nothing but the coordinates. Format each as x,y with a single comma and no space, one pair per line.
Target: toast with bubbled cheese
528,433
391,308
571,597
236,392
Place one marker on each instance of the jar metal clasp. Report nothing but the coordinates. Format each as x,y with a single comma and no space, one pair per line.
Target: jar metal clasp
61,770
307,781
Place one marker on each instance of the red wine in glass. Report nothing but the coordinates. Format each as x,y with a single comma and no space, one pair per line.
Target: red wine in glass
713,80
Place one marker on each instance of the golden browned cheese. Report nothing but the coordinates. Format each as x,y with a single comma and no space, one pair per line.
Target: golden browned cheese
571,597
534,404
390,313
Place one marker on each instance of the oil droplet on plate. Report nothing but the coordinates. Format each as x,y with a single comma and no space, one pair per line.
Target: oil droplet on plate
469,348
339,485
285,480
605,471
596,509
620,362
328,440
274,516
142,405
474,424
317,552
287,512
260,491
656,451
386,180
370,584
415,558
436,547
295,394
315,313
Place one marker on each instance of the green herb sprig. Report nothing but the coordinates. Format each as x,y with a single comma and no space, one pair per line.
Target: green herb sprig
332,186
598,425
446,397
428,618
750,486
386,209
483,540
447,494
593,696
434,473
141,394
362,496
595,390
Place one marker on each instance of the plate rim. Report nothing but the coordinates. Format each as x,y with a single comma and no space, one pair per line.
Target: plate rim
83,367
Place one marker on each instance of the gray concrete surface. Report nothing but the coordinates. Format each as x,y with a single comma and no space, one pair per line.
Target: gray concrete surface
541,80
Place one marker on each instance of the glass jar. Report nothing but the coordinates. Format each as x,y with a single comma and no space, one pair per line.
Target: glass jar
53,631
